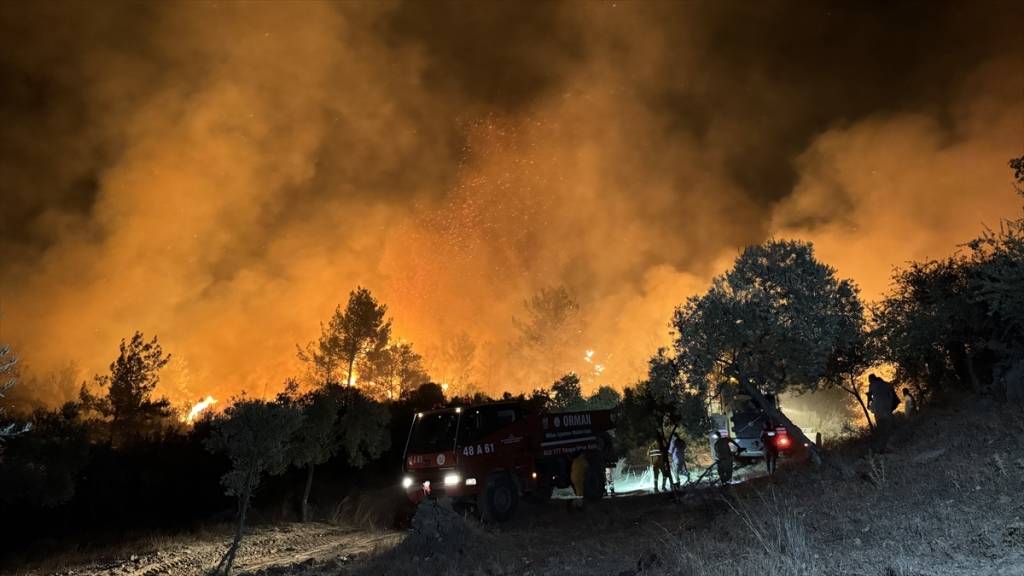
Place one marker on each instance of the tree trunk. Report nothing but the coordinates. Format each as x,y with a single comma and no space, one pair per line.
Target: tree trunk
777,416
351,366
228,560
238,532
305,493
860,400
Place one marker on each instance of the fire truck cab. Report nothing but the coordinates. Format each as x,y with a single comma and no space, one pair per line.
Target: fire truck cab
490,455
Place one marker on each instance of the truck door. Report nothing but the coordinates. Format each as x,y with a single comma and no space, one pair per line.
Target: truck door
492,438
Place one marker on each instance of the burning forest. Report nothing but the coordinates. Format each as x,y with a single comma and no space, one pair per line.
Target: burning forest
412,287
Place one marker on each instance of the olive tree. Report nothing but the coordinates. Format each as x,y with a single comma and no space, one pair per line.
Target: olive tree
604,398
655,408
255,435
316,439
334,418
932,326
769,324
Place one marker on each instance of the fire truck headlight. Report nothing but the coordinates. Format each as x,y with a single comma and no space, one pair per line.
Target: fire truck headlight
470,481
407,482
451,479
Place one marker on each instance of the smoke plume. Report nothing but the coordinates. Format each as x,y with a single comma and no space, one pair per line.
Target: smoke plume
223,174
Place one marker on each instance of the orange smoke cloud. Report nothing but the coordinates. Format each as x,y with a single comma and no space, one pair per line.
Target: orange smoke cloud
246,165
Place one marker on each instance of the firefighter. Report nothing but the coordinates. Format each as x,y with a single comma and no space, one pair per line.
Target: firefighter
771,450
724,457
657,462
882,401
677,451
578,474
909,402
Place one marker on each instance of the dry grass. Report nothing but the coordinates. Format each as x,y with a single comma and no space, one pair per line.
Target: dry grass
373,510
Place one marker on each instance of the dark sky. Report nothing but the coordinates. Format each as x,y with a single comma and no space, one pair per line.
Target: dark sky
222,174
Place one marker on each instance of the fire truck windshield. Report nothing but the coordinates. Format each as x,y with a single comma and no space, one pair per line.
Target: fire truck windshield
434,433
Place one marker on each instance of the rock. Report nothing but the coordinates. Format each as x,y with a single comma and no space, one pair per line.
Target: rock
436,520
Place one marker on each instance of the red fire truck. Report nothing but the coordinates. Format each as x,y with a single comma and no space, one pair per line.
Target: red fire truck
490,455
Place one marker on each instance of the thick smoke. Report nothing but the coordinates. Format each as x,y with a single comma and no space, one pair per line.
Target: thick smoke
222,174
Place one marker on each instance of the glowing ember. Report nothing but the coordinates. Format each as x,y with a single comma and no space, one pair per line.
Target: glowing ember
198,408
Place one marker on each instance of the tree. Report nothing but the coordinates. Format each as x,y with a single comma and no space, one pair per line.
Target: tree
850,362
604,398
41,469
255,437
931,326
349,336
458,357
427,397
1017,165
316,439
655,408
551,325
133,378
566,394
363,428
998,286
7,381
768,325
393,371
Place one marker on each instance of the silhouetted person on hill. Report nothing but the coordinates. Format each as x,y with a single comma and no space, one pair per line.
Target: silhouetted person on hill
882,400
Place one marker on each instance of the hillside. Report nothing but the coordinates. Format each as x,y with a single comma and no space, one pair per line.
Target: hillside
944,500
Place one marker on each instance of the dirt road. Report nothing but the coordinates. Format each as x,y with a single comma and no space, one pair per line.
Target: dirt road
281,548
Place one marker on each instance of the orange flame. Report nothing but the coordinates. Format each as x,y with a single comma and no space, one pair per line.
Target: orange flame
199,408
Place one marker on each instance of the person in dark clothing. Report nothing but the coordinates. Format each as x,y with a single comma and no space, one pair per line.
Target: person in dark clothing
771,450
882,401
677,452
724,458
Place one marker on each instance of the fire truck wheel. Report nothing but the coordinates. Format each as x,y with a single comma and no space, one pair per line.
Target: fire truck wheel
499,498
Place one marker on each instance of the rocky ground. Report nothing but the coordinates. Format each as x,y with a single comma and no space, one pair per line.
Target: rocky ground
946,499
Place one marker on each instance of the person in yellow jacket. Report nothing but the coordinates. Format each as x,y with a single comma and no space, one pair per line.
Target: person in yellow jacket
657,461
578,474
